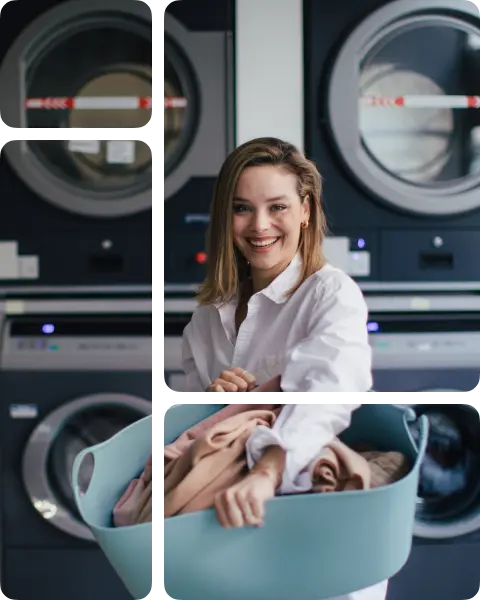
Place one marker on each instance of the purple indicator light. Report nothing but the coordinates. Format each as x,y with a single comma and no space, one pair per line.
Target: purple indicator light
373,327
361,243
48,329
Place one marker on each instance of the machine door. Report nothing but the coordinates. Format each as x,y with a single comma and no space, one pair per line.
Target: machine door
81,64
53,445
404,105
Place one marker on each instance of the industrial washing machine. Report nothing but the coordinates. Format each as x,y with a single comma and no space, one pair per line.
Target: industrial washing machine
445,560
424,343
198,132
392,122
80,210
69,379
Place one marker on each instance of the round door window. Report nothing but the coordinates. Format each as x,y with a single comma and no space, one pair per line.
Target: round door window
53,446
180,106
97,77
122,167
405,107
418,118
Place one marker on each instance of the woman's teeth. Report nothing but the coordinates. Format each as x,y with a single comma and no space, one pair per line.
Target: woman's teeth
263,244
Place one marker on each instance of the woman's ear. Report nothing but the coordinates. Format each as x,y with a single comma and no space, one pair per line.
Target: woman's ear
306,208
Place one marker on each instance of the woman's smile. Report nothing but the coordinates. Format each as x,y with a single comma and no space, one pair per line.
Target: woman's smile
263,244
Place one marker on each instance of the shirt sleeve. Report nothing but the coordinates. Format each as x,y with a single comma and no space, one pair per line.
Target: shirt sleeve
302,430
193,380
335,355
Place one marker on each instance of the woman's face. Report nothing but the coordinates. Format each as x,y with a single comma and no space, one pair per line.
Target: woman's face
267,218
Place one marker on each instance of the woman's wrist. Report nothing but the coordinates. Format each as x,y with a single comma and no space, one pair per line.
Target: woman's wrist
272,465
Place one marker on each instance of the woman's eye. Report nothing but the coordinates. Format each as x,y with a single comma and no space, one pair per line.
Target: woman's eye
278,207
238,208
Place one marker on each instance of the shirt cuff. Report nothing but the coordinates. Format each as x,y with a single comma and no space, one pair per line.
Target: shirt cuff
292,481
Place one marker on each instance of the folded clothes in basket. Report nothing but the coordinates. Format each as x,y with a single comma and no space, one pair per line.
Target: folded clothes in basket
211,457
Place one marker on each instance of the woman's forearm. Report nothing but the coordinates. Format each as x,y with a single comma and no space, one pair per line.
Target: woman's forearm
272,464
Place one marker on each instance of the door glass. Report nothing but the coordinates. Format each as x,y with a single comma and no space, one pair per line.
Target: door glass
83,430
97,76
97,166
180,118
420,104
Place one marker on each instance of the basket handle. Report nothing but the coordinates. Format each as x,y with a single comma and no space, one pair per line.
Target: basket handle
77,464
423,424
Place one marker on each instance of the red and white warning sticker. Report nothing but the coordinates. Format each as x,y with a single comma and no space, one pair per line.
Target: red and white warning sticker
90,103
421,101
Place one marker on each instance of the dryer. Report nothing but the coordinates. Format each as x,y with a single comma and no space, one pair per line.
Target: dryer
445,560
79,211
393,123
69,380
198,132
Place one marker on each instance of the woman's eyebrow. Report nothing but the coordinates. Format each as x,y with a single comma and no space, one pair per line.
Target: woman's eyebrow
275,199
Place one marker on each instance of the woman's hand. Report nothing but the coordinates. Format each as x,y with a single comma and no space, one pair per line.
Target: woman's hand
233,380
244,503
273,385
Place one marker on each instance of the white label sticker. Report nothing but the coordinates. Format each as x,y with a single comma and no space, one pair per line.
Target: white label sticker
337,252
84,146
359,264
14,307
23,411
420,303
8,260
120,153
29,267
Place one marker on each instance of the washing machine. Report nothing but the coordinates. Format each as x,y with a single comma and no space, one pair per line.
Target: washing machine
80,210
424,343
392,121
198,133
445,560
69,380
177,315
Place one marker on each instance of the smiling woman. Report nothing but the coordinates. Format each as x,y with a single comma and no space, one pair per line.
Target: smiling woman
270,307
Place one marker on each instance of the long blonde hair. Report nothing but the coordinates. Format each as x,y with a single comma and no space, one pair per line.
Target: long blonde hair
227,269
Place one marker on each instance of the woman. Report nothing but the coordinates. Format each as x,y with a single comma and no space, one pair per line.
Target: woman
271,307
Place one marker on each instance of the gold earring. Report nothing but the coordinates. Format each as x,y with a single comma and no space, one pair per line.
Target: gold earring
304,225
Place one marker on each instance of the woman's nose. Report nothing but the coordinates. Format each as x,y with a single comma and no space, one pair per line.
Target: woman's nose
261,221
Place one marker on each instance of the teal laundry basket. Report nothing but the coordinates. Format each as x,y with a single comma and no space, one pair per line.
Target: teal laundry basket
115,463
311,546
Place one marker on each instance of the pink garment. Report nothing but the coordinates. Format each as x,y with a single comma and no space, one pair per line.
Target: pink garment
181,445
135,505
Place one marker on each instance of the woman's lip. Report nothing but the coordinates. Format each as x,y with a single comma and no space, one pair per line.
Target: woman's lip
268,243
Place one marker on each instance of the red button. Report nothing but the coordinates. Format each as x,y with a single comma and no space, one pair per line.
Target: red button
201,258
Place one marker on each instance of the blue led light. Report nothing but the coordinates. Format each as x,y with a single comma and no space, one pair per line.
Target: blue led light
48,329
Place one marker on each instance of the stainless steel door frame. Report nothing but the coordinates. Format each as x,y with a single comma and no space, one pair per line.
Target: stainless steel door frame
208,54
36,453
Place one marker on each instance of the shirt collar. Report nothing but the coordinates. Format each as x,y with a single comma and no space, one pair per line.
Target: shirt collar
277,290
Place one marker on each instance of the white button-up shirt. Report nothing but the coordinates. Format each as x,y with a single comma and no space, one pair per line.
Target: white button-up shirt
316,339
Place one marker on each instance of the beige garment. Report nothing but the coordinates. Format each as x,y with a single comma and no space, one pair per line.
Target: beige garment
181,445
340,468
212,463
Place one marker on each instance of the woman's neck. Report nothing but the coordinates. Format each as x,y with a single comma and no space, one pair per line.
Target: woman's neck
262,278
